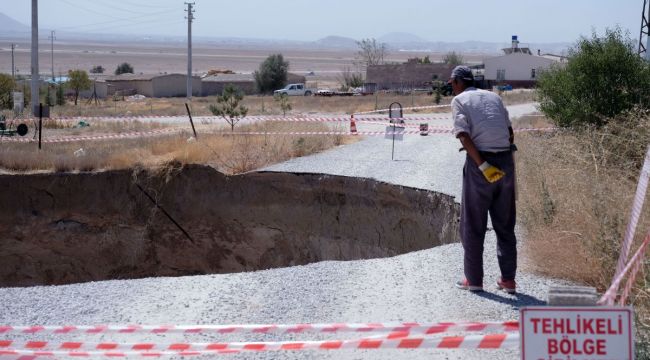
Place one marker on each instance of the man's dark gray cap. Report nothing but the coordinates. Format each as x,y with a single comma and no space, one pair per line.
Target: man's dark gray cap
462,72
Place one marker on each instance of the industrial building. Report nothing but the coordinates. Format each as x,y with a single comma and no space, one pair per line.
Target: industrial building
214,85
408,76
167,85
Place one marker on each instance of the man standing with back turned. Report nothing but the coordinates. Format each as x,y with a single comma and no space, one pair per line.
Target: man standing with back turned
482,125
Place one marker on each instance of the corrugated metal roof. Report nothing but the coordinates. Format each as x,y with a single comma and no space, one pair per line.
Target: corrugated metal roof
144,77
230,77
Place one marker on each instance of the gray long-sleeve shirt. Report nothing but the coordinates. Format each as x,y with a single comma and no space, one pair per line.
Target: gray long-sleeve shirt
481,114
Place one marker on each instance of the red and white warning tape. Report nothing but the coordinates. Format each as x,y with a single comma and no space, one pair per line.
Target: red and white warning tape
638,262
425,328
250,118
609,297
82,349
127,135
144,134
406,108
634,263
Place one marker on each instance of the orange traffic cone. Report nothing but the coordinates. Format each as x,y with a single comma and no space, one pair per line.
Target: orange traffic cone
353,125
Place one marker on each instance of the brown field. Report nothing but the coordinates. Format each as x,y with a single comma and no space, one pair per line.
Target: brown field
172,58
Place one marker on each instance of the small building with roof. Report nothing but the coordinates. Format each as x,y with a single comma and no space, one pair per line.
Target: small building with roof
517,66
214,84
161,85
408,76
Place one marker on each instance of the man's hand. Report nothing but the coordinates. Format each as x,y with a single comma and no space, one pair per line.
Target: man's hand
492,174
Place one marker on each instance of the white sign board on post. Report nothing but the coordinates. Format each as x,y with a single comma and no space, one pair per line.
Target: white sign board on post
576,333
394,132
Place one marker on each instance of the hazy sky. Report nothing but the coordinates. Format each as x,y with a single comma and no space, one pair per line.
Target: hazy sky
451,20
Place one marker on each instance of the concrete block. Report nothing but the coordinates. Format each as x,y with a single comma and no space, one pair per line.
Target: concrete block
572,296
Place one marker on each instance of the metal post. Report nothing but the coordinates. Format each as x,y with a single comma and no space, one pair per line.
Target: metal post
392,155
190,17
40,124
13,68
191,122
35,76
52,52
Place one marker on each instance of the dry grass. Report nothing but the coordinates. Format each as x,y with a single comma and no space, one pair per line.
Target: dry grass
575,197
230,154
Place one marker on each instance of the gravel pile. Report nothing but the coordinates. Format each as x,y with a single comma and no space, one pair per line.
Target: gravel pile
412,287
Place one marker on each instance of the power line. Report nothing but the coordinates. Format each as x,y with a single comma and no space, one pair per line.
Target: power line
130,10
116,21
76,6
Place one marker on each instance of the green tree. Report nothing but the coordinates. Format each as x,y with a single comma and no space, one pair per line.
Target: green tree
77,81
48,96
438,96
124,68
228,106
60,95
604,77
7,85
453,58
350,79
272,74
283,102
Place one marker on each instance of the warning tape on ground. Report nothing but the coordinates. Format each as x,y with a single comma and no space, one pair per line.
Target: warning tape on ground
609,297
634,263
144,134
44,348
634,271
425,328
249,118
128,135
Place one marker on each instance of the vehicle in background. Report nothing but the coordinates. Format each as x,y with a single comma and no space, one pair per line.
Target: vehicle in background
294,90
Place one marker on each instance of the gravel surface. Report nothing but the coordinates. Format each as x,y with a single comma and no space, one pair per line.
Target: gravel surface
412,287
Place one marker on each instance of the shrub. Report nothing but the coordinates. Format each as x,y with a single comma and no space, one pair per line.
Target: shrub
603,78
272,74
124,68
6,87
98,69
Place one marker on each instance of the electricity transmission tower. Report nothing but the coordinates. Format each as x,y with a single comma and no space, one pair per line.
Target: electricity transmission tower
645,30
189,17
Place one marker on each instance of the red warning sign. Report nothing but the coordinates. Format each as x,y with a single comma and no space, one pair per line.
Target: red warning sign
576,333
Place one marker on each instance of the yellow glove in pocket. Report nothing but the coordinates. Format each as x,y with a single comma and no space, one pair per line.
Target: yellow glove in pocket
492,174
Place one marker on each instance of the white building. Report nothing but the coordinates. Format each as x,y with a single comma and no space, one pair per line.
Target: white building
517,67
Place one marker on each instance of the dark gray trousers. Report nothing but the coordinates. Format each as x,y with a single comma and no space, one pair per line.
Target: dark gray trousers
479,198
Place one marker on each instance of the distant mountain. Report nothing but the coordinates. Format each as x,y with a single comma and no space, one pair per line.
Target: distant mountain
400,37
337,42
9,25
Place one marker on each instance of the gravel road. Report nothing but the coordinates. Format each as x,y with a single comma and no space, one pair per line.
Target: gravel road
412,287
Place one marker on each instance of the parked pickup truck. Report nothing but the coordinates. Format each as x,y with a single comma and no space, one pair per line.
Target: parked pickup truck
294,90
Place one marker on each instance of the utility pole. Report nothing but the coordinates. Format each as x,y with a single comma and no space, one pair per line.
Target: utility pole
52,38
189,17
645,30
35,78
13,68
